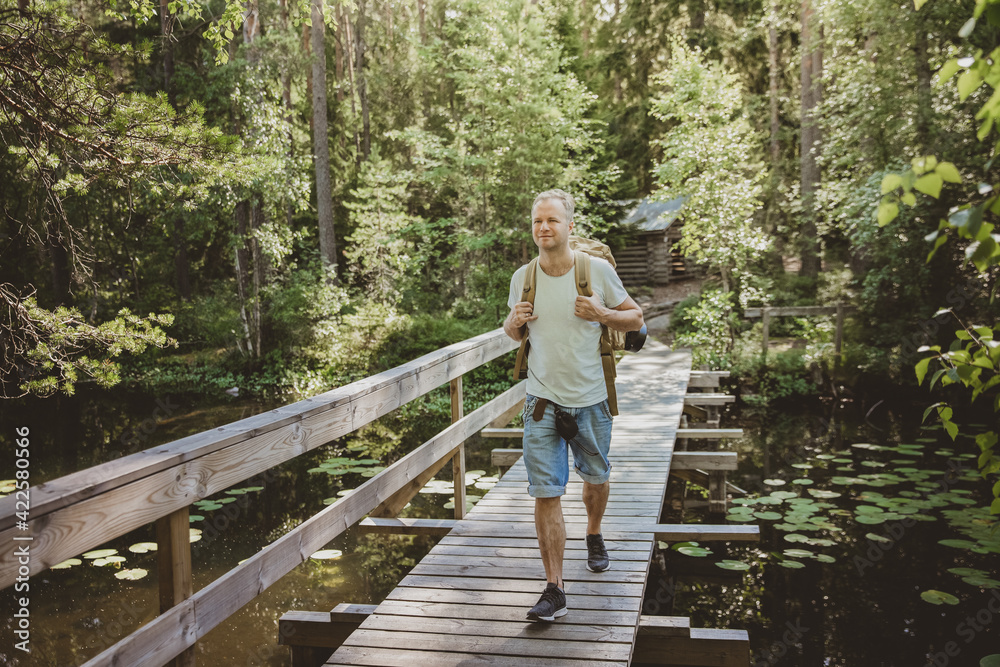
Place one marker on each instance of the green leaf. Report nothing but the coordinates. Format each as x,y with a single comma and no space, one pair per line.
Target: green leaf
967,83
948,172
909,199
887,212
990,661
921,369
937,597
929,184
890,182
948,70
733,565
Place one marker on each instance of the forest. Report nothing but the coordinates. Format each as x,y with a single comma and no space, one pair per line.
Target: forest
283,197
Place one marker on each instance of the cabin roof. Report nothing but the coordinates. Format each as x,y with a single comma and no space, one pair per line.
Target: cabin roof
649,215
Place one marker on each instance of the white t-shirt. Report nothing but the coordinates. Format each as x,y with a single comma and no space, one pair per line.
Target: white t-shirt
564,364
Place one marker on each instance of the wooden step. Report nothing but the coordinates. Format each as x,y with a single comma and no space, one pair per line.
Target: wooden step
709,433
406,526
703,461
708,399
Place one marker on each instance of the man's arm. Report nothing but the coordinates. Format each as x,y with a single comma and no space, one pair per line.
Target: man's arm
627,316
515,325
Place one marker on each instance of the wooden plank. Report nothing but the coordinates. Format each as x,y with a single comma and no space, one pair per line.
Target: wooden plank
664,626
487,644
460,626
708,647
357,655
496,613
472,587
502,433
704,460
476,561
793,311
708,399
485,551
524,601
508,415
693,532
534,573
170,633
700,478
710,433
505,457
405,526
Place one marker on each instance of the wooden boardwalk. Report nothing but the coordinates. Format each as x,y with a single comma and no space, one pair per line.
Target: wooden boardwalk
465,602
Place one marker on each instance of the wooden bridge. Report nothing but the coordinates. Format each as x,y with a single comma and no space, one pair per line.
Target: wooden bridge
465,602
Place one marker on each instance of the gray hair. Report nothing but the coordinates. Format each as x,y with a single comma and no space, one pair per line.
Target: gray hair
569,204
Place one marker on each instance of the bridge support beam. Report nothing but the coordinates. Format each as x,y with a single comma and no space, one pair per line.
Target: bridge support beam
173,549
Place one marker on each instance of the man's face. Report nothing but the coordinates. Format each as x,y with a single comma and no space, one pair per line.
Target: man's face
549,228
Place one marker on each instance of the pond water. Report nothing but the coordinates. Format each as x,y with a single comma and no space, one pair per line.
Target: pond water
875,550
868,521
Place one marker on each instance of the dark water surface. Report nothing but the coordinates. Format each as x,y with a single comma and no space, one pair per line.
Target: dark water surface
855,600
862,609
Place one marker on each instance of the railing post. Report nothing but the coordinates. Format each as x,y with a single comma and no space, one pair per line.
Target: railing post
838,336
173,548
458,463
765,314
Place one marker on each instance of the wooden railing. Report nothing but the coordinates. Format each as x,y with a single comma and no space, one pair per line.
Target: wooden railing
83,510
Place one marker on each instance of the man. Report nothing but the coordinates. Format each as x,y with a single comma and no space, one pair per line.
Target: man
564,369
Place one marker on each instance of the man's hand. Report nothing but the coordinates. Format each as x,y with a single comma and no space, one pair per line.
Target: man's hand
590,308
519,316
625,317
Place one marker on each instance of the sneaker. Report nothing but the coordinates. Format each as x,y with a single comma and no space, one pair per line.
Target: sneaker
597,554
550,606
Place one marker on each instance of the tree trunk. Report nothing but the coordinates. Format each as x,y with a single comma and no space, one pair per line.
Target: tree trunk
585,29
773,73
809,137
321,147
423,24
338,54
359,43
696,15
242,213
925,111
349,50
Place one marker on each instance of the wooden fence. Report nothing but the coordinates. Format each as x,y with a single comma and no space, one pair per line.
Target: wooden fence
83,510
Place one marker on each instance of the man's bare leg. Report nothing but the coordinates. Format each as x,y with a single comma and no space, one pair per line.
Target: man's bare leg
595,499
551,531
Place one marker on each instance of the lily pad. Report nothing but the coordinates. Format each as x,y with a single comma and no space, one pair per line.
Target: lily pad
990,661
878,538
871,519
767,516
981,582
823,493
132,575
803,480
733,565
957,544
774,482
968,572
791,564
142,547
742,518
798,553
66,564
695,551
100,553
938,597
327,554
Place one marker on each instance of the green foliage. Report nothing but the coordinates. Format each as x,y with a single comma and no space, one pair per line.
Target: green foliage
59,348
784,375
379,251
706,327
710,156
973,356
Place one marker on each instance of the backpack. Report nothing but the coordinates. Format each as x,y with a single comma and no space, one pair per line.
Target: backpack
611,340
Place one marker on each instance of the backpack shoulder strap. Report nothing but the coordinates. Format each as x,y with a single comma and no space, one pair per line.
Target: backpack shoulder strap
528,292
582,267
520,371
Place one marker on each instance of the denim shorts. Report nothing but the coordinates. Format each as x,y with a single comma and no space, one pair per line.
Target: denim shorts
546,455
